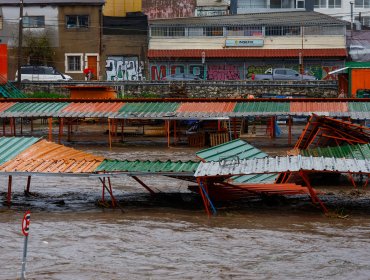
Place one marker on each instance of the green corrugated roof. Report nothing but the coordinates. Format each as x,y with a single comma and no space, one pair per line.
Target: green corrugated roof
231,150
237,149
262,107
148,166
37,107
345,151
359,106
10,147
150,107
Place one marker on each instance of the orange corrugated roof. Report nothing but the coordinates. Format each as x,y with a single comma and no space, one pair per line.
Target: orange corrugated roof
216,107
50,157
6,105
256,53
94,107
319,107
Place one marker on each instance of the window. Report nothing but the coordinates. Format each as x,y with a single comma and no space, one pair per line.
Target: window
195,31
244,31
77,21
176,31
158,31
74,63
320,3
214,31
335,3
33,21
362,3
282,30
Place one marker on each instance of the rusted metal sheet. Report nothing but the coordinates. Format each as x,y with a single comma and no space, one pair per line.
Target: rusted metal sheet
155,9
282,164
207,107
91,109
321,107
10,147
48,157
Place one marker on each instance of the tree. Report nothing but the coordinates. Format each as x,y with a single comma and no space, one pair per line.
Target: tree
37,48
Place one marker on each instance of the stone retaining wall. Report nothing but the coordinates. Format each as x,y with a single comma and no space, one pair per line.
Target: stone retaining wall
207,90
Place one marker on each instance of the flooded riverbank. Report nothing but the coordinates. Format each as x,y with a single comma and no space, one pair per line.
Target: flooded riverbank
170,237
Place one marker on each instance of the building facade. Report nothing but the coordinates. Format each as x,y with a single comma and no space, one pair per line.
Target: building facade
72,30
234,47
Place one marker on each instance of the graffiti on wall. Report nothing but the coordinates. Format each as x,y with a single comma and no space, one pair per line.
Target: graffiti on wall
169,8
235,71
123,68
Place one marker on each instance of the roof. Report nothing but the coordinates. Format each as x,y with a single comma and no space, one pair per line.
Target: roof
48,157
286,18
186,108
237,149
345,151
236,53
141,167
53,2
282,164
10,147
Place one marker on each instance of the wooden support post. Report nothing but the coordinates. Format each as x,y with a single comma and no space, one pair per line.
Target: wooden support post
50,121
9,195
174,132
11,126
168,122
31,126
273,127
205,202
114,203
109,134
143,184
313,194
69,130
27,191
290,130
60,134
122,129
218,125
22,126
103,190
234,129
4,121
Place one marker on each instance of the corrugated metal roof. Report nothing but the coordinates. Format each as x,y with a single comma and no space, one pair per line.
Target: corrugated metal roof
346,151
91,109
148,109
34,109
362,107
10,147
237,149
286,18
282,164
320,107
243,53
6,105
48,157
167,167
255,108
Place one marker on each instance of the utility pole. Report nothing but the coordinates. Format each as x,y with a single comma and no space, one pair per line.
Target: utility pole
20,43
351,16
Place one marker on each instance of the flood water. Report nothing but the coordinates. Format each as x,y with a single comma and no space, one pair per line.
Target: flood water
170,237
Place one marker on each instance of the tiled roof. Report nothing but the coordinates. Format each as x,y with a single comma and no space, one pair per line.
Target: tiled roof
253,53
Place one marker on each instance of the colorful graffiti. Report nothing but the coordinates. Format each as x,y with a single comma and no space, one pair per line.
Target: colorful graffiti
123,68
237,71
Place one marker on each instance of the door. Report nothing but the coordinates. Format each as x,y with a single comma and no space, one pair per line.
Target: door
92,63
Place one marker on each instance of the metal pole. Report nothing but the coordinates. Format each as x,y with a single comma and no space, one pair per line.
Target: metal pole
351,16
24,258
20,43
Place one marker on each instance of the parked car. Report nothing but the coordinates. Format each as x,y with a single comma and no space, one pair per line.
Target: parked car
181,77
41,73
283,74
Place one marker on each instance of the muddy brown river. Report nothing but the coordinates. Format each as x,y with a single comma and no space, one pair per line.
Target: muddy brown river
170,237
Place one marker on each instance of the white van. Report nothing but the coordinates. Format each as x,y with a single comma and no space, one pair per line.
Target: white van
32,73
